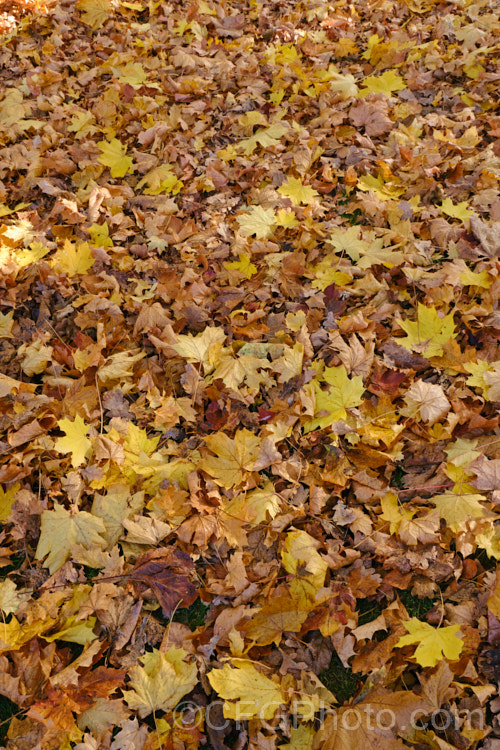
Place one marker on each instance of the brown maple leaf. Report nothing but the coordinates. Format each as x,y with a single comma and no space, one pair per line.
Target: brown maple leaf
166,573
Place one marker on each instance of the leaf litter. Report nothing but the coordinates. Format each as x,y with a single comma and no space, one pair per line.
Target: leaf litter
250,374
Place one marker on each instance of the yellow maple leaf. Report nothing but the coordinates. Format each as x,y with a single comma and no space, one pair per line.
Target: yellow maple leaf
462,452
233,457
286,219
489,539
302,736
481,279
243,265
301,558
264,137
113,155
459,507
289,365
434,644
13,635
257,221
99,234
386,191
297,192
161,180
394,512
75,441
377,254
131,73
61,529
331,405
427,334
283,613
7,499
326,272
75,631
246,691
249,119
255,506
28,256
492,380
205,347
120,366
83,124
161,681
386,84
478,371
95,12
456,210
73,258
137,441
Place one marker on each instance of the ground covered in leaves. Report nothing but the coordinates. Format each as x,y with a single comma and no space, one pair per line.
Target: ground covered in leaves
250,375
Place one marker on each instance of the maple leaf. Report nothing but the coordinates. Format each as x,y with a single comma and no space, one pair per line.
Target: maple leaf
161,681
7,500
6,322
428,333
75,441
264,137
289,365
95,12
234,457
160,180
393,512
246,691
301,738
457,508
428,400
131,73
255,506
493,599
99,234
73,259
29,256
298,193
481,279
386,83
75,631
205,347
62,529
384,189
281,614
10,599
487,472
378,255
492,381
113,155
434,644
344,393
456,211
164,571
261,218
243,265
300,557
258,221
355,726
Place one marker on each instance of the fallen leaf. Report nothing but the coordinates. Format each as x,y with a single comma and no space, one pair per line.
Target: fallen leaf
434,644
